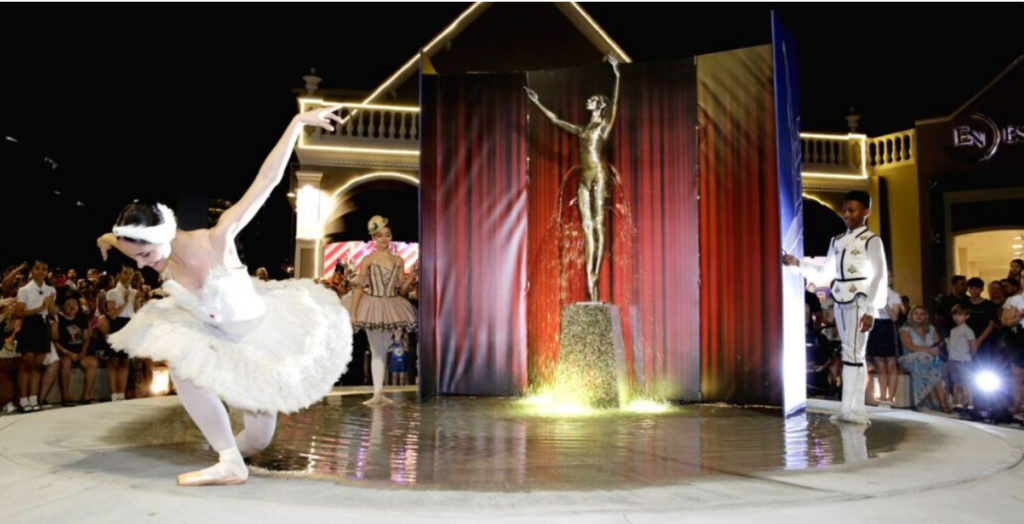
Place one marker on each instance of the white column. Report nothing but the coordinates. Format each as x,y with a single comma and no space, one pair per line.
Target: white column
309,258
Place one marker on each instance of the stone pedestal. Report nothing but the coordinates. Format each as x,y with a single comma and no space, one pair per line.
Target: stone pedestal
592,357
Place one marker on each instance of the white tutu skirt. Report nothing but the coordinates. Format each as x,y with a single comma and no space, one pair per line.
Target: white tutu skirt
283,361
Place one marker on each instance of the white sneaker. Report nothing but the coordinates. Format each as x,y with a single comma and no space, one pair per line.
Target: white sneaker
885,404
1019,417
10,408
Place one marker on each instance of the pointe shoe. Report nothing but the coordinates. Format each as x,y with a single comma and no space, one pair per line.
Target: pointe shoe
206,477
230,471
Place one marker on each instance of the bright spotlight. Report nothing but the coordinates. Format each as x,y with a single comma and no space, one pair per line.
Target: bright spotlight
987,381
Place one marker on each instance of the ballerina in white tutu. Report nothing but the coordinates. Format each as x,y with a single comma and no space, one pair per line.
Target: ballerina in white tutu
263,347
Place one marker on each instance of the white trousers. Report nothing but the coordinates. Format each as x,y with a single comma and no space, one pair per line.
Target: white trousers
854,352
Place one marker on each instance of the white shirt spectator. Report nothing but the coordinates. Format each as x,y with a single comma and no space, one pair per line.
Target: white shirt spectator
33,296
960,343
117,296
1016,302
893,302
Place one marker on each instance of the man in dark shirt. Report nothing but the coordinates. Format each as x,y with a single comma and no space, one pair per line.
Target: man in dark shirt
983,320
957,297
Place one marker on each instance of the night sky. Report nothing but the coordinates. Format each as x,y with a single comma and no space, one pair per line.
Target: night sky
135,101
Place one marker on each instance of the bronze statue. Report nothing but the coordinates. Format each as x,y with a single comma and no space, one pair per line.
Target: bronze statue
593,173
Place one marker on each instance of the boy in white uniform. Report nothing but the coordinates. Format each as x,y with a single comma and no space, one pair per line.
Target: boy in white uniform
856,260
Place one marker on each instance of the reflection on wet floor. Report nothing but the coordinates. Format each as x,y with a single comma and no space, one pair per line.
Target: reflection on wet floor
491,444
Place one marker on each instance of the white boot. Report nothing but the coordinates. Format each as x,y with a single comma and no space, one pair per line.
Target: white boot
849,390
853,396
859,412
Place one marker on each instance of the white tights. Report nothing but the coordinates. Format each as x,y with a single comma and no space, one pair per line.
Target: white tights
379,343
211,416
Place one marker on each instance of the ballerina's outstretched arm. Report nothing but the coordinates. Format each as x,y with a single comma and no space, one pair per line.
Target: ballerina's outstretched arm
239,215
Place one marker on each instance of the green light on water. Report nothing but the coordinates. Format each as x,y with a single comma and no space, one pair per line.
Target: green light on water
549,405
648,406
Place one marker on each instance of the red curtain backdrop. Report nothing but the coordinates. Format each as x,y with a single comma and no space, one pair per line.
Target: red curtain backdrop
474,226
741,294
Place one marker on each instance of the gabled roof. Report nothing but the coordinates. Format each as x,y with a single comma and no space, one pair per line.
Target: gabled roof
572,10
